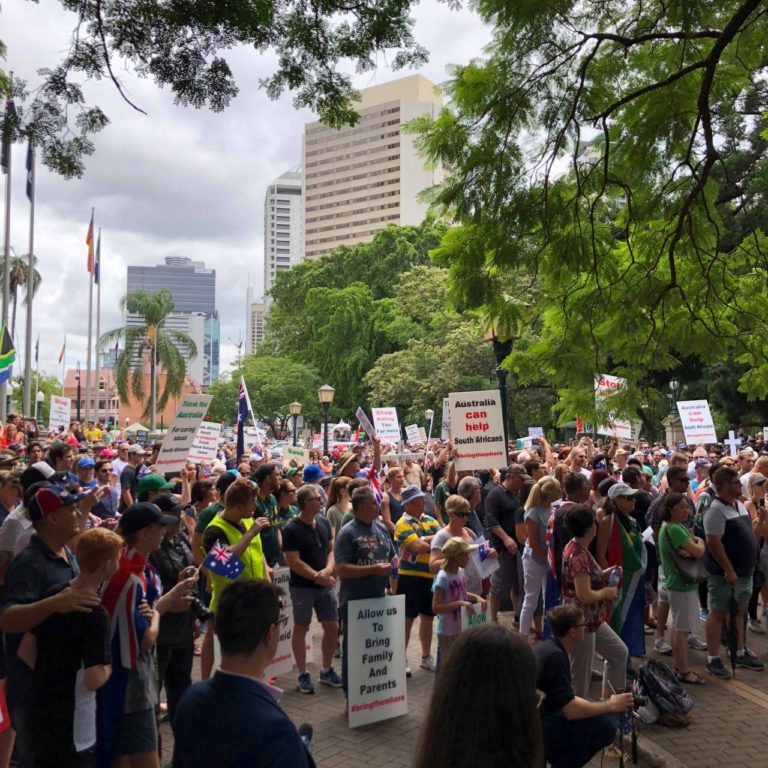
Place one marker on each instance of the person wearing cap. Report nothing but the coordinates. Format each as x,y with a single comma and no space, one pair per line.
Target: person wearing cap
36,587
620,543
126,727
129,477
85,467
503,513
120,462
700,473
413,537
151,486
267,477
450,593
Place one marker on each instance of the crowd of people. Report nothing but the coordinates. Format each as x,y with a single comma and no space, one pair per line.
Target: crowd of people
115,577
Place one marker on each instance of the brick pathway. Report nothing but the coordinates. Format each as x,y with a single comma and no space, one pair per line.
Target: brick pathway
727,731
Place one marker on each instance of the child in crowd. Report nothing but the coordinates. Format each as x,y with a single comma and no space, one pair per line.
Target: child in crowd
450,593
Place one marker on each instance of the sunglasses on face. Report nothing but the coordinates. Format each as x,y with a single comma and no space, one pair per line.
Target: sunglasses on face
461,514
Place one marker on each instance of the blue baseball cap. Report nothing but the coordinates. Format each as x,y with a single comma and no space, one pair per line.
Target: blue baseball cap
86,461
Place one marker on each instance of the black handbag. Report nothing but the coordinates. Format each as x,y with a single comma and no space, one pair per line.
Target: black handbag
691,570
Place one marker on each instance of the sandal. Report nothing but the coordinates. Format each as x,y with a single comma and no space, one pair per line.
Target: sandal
689,678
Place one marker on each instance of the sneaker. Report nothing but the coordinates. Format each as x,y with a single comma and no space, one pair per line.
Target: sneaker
696,643
756,626
703,614
662,646
747,662
716,668
330,678
408,672
428,663
305,684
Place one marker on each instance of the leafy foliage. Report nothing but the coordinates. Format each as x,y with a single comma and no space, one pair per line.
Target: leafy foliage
593,151
48,385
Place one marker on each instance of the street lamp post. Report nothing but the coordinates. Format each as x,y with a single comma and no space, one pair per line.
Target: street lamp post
77,379
295,409
39,397
501,351
429,415
325,396
674,388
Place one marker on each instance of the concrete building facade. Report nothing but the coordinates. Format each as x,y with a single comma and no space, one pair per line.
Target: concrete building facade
283,234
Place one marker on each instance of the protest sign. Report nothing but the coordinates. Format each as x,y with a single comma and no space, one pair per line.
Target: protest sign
484,564
412,434
423,435
376,653
765,434
386,424
206,442
477,428
365,422
61,413
605,388
696,420
178,442
524,442
446,425
295,453
142,437
535,431
473,618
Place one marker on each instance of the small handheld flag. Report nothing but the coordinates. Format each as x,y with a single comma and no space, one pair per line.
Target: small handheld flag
223,563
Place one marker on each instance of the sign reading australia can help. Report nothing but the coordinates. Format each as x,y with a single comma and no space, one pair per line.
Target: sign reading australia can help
696,421
386,424
376,666
477,427
177,443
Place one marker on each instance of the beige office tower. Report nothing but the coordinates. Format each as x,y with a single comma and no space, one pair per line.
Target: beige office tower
362,178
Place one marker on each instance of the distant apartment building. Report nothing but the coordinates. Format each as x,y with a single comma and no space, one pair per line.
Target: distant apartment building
256,314
283,235
193,287
362,178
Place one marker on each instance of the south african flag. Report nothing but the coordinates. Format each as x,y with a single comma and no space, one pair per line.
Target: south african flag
7,355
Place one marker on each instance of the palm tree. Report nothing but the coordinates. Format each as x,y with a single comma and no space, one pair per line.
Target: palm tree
162,348
18,279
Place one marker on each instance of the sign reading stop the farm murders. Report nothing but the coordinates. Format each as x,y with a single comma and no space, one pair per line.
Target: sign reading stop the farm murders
477,427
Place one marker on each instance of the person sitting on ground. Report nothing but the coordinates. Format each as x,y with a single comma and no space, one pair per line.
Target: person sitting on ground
573,728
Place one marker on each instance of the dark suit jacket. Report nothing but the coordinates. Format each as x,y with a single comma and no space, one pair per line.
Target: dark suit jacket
233,722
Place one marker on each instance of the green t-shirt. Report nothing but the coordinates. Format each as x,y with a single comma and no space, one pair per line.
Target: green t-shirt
284,516
270,541
348,518
673,536
205,517
442,492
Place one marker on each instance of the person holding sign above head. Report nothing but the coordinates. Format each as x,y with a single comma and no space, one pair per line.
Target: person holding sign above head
450,594
364,555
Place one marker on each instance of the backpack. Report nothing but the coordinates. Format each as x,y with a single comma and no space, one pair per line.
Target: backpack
658,684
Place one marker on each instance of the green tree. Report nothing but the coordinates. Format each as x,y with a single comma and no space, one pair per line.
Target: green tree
152,345
585,151
18,279
184,45
48,385
273,384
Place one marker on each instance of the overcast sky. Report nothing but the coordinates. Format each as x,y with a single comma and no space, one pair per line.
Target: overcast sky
179,181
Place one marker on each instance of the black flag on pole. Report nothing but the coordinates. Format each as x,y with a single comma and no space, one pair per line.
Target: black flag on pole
30,161
9,122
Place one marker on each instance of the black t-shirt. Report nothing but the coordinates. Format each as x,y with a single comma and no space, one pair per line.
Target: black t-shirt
129,481
643,501
554,677
311,542
63,709
169,560
503,509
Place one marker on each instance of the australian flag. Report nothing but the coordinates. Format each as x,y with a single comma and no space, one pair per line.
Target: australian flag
223,563
242,415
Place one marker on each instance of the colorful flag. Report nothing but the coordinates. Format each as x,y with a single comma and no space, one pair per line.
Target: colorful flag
97,265
223,563
89,243
7,355
63,349
373,482
579,425
37,349
30,164
10,120
242,415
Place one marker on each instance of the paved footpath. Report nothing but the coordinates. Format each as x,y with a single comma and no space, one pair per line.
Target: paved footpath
728,730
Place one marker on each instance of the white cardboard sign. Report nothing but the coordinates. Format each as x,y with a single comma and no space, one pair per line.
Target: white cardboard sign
412,434
605,388
295,453
376,666
179,438
365,422
696,421
474,619
446,425
206,442
477,428
386,424
61,412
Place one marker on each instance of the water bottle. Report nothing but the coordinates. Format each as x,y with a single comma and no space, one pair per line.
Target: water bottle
615,577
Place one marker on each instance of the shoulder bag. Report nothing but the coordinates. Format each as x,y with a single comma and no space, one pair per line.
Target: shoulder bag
691,570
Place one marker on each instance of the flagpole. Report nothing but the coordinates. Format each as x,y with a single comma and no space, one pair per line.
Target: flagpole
6,261
97,274
30,280
37,371
90,326
63,364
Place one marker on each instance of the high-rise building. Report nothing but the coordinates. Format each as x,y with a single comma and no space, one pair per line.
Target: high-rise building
360,179
257,311
283,236
193,287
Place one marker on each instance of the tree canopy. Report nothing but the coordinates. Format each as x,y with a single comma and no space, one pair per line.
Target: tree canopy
611,153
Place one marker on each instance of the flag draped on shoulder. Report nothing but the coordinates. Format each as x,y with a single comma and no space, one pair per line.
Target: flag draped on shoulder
242,415
7,354
89,243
